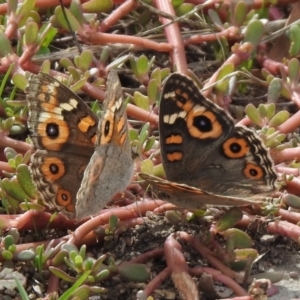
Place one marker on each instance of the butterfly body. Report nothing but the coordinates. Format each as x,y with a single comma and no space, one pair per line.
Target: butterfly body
203,149
73,144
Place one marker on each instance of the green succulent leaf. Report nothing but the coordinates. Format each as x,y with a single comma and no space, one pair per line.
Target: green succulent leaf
141,101
159,171
225,70
113,222
61,274
8,241
134,272
73,255
275,139
274,277
147,166
184,8
244,254
262,110
254,32
82,251
31,33
236,238
76,74
271,109
59,258
149,143
70,247
76,10
25,8
15,234
75,25
274,90
98,6
253,114
82,293
28,206
293,69
240,13
12,248
156,74
25,180
13,189
47,34
26,255
229,219
7,255
165,73
279,118
214,16
66,63
153,90
103,275
85,60
292,200
295,40
45,67
119,61
133,134
78,84
98,290
98,264
88,264
6,47
79,282
177,3
144,17
142,65
20,81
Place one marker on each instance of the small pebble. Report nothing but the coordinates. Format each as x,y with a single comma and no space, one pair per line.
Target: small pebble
267,239
294,275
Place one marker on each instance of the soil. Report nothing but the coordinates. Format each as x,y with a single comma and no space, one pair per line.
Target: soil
279,255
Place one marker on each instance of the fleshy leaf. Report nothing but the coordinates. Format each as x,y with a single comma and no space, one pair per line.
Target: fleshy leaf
293,70
295,40
25,180
229,219
141,101
225,70
274,90
147,166
254,32
96,6
279,118
253,114
134,272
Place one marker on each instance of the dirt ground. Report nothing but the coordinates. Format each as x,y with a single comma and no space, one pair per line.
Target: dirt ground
280,255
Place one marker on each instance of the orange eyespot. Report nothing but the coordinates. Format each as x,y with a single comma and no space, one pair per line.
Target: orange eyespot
54,133
63,197
235,147
107,128
52,168
253,171
203,124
